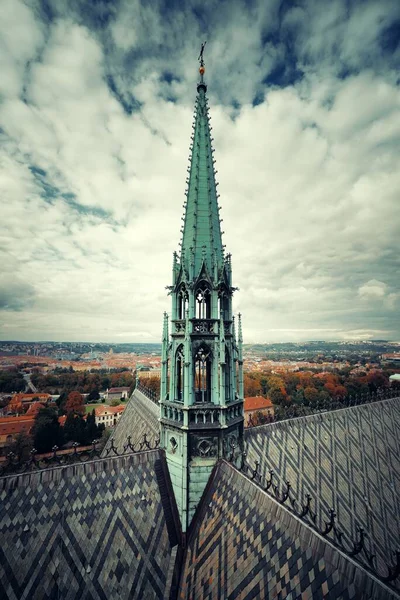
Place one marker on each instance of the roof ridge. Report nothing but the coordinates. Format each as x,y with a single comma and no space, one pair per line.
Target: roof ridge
321,416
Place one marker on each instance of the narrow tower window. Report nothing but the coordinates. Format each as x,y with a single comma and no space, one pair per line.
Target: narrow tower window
202,375
223,304
183,302
227,375
203,302
179,374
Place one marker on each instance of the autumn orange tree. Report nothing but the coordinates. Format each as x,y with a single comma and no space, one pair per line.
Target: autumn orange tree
152,383
74,403
310,387
252,385
311,394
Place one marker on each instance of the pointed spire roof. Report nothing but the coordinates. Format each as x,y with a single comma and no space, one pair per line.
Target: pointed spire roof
201,234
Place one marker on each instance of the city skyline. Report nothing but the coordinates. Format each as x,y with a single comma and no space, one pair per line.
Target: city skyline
96,108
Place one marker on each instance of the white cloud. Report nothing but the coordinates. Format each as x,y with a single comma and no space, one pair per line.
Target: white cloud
93,195
372,289
21,39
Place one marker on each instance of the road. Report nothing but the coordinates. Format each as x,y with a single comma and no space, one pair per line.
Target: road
29,384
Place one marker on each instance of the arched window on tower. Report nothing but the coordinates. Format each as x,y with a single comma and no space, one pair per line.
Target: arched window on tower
183,302
202,374
179,374
203,301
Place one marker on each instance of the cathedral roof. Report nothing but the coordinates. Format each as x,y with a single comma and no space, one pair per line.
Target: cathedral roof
101,530
347,460
244,544
139,418
201,235
108,528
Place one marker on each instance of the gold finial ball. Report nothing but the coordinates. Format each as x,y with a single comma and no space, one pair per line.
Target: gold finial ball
202,70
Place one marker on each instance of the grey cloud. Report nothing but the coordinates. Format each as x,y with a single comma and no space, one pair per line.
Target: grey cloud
16,295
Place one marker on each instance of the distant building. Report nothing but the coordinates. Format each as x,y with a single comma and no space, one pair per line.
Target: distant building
116,393
255,405
21,402
34,408
391,357
147,372
108,415
10,427
28,398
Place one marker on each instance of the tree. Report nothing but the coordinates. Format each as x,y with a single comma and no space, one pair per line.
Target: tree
105,434
277,396
83,431
298,396
275,382
73,428
94,395
290,384
105,382
21,446
251,386
47,431
376,380
93,432
311,394
61,401
11,381
323,398
75,404
335,391
152,383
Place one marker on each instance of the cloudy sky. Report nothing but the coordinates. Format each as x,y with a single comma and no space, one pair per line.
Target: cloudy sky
96,103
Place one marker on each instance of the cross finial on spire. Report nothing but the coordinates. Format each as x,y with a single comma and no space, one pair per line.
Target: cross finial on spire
202,68
201,59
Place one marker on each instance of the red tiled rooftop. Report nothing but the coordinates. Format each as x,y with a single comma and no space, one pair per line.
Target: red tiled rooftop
26,397
257,403
10,425
34,408
110,410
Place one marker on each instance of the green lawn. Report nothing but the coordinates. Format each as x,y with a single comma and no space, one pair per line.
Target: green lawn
90,407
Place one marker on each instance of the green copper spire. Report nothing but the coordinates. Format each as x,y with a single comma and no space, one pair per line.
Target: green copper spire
201,239
201,397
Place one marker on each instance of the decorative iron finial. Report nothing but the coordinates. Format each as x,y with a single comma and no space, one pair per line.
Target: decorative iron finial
201,59
202,69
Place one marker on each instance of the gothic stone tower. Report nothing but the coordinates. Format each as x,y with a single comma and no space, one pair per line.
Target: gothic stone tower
201,398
